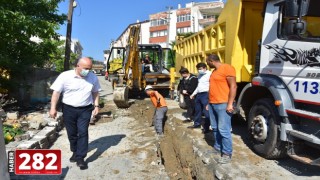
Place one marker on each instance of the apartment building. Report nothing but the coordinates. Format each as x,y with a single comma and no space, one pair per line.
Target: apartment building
75,46
163,27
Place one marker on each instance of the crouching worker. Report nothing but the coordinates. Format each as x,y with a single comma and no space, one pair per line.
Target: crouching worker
160,111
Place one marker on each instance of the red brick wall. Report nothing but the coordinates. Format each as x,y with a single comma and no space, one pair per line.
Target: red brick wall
158,39
158,28
183,24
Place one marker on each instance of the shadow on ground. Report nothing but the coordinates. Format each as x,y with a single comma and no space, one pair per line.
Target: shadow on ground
102,144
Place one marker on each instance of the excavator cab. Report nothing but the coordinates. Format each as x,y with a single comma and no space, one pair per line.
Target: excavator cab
156,73
128,76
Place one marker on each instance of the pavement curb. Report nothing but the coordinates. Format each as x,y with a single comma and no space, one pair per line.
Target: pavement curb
41,139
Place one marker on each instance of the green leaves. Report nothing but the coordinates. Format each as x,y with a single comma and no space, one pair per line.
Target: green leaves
10,131
21,20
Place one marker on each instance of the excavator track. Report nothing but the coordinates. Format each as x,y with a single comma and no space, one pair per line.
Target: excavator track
120,97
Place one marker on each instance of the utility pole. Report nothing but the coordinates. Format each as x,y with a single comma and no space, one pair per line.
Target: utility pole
168,33
68,36
168,24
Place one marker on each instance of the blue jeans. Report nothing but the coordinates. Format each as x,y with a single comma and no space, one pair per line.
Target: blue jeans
201,101
221,125
76,121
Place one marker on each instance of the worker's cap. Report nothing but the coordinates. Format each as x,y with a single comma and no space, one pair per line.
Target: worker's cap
148,87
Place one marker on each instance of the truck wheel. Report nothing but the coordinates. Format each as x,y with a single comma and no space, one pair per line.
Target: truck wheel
263,130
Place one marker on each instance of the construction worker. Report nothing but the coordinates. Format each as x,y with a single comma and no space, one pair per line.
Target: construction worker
148,64
161,109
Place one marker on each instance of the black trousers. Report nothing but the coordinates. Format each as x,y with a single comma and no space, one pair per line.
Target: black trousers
76,120
190,106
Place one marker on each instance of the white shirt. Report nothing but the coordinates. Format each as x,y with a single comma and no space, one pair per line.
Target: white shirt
203,83
77,91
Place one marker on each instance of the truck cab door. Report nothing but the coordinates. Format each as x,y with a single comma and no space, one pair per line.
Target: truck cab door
290,49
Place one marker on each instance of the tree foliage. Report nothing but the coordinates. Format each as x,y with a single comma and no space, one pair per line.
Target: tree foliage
20,20
57,57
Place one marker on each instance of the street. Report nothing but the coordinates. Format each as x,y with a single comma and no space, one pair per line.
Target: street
122,145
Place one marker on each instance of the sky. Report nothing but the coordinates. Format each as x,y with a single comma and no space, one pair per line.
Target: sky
97,22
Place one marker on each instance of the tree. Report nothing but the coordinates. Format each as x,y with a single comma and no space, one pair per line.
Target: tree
20,20
56,62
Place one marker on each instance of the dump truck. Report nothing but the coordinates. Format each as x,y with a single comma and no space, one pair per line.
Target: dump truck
97,68
274,45
130,79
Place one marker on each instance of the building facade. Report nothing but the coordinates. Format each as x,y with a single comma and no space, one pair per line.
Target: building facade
163,27
75,46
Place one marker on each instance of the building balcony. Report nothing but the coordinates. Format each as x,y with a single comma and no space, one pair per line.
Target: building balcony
211,8
205,22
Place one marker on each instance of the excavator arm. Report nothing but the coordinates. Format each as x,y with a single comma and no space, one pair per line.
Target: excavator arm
131,79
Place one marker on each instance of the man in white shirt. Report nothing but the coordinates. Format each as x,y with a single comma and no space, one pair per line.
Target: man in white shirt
80,100
201,98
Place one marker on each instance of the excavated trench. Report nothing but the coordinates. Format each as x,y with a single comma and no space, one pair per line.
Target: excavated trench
181,150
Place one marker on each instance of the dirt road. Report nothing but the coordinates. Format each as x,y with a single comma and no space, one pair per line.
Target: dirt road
183,151
122,145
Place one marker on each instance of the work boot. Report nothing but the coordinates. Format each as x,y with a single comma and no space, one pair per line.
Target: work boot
82,164
195,127
188,120
225,159
73,158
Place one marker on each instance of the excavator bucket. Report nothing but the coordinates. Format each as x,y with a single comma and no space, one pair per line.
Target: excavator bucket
120,97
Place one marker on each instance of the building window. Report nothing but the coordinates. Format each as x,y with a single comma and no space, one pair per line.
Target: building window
158,22
183,18
206,16
184,30
158,33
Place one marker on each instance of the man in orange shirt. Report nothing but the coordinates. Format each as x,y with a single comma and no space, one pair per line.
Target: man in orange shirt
222,92
161,108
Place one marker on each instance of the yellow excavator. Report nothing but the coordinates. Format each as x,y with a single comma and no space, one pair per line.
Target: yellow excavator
129,80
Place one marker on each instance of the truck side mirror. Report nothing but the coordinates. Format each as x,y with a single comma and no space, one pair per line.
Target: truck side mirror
295,27
296,8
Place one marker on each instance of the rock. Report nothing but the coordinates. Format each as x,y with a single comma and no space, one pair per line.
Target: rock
45,145
24,125
35,125
13,115
29,145
12,145
205,160
21,137
40,139
52,137
32,133
47,131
